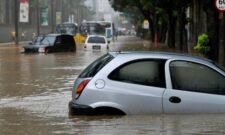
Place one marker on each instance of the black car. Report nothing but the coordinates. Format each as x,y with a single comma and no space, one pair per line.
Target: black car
51,43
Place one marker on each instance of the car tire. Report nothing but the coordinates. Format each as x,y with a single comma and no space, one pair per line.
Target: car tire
47,50
72,49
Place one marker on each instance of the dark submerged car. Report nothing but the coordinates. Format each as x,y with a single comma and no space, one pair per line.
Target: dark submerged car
51,43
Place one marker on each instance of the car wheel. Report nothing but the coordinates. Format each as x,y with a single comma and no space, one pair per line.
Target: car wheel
47,50
72,49
106,111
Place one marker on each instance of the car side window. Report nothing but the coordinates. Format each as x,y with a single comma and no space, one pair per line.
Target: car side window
144,72
58,41
196,77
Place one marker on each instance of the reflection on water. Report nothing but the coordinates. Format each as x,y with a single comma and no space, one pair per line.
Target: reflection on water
22,75
35,90
21,121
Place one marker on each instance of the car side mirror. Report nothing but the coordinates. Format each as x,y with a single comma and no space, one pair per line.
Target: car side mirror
108,42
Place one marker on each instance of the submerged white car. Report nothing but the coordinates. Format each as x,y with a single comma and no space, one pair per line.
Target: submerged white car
149,82
96,42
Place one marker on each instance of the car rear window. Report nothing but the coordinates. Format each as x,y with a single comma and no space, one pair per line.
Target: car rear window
100,40
96,66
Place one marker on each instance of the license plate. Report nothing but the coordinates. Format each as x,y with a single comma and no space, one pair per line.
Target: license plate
97,47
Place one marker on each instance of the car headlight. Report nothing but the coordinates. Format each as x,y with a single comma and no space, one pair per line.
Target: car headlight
22,50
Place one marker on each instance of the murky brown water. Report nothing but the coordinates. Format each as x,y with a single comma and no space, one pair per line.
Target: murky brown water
35,90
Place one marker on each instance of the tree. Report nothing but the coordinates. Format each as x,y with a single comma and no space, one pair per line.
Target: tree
78,8
158,12
145,7
212,28
175,11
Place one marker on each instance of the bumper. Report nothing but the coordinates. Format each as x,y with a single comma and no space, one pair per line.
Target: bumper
75,109
30,50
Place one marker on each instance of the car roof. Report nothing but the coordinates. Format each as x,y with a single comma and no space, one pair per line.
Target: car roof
56,34
160,55
96,36
53,34
69,23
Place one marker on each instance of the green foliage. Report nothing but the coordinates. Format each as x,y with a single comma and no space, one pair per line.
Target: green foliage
203,44
157,12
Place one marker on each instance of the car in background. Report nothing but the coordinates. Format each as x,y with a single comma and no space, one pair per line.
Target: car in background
149,82
96,42
50,43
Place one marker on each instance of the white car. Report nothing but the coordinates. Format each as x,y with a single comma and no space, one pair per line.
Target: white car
149,82
96,42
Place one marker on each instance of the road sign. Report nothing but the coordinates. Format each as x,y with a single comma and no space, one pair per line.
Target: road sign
220,5
146,24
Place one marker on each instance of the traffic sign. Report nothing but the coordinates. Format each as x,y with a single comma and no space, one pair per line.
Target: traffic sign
220,5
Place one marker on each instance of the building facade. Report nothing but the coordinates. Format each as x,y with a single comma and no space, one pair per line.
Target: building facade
43,16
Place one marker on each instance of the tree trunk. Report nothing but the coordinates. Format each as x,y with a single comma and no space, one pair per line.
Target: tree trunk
151,28
221,39
224,41
156,31
213,30
171,31
162,32
182,32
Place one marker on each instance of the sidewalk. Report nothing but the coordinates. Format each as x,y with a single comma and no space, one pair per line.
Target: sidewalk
132,43
13,43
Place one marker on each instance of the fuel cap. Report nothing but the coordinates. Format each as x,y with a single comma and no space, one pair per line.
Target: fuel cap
100,84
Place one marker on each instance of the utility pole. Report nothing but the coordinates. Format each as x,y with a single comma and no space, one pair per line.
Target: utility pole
52,15
38,17
16,22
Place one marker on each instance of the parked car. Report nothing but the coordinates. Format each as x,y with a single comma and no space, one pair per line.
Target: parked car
149,82
50,43
96,42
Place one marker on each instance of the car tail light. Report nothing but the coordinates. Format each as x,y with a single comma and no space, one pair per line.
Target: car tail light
81,87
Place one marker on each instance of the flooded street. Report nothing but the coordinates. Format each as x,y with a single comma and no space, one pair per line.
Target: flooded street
35,90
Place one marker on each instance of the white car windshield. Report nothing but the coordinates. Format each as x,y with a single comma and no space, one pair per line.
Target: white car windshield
99,40
41,40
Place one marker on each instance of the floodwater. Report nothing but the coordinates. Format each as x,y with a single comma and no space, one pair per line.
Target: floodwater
35,90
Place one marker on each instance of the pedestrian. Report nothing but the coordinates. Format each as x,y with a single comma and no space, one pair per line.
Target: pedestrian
13,35
116,34
33,35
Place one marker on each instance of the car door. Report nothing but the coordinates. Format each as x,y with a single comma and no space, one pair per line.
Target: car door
194,88
138,86
58,46
70,44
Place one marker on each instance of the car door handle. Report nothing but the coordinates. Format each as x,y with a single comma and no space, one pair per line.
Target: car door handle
175,99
